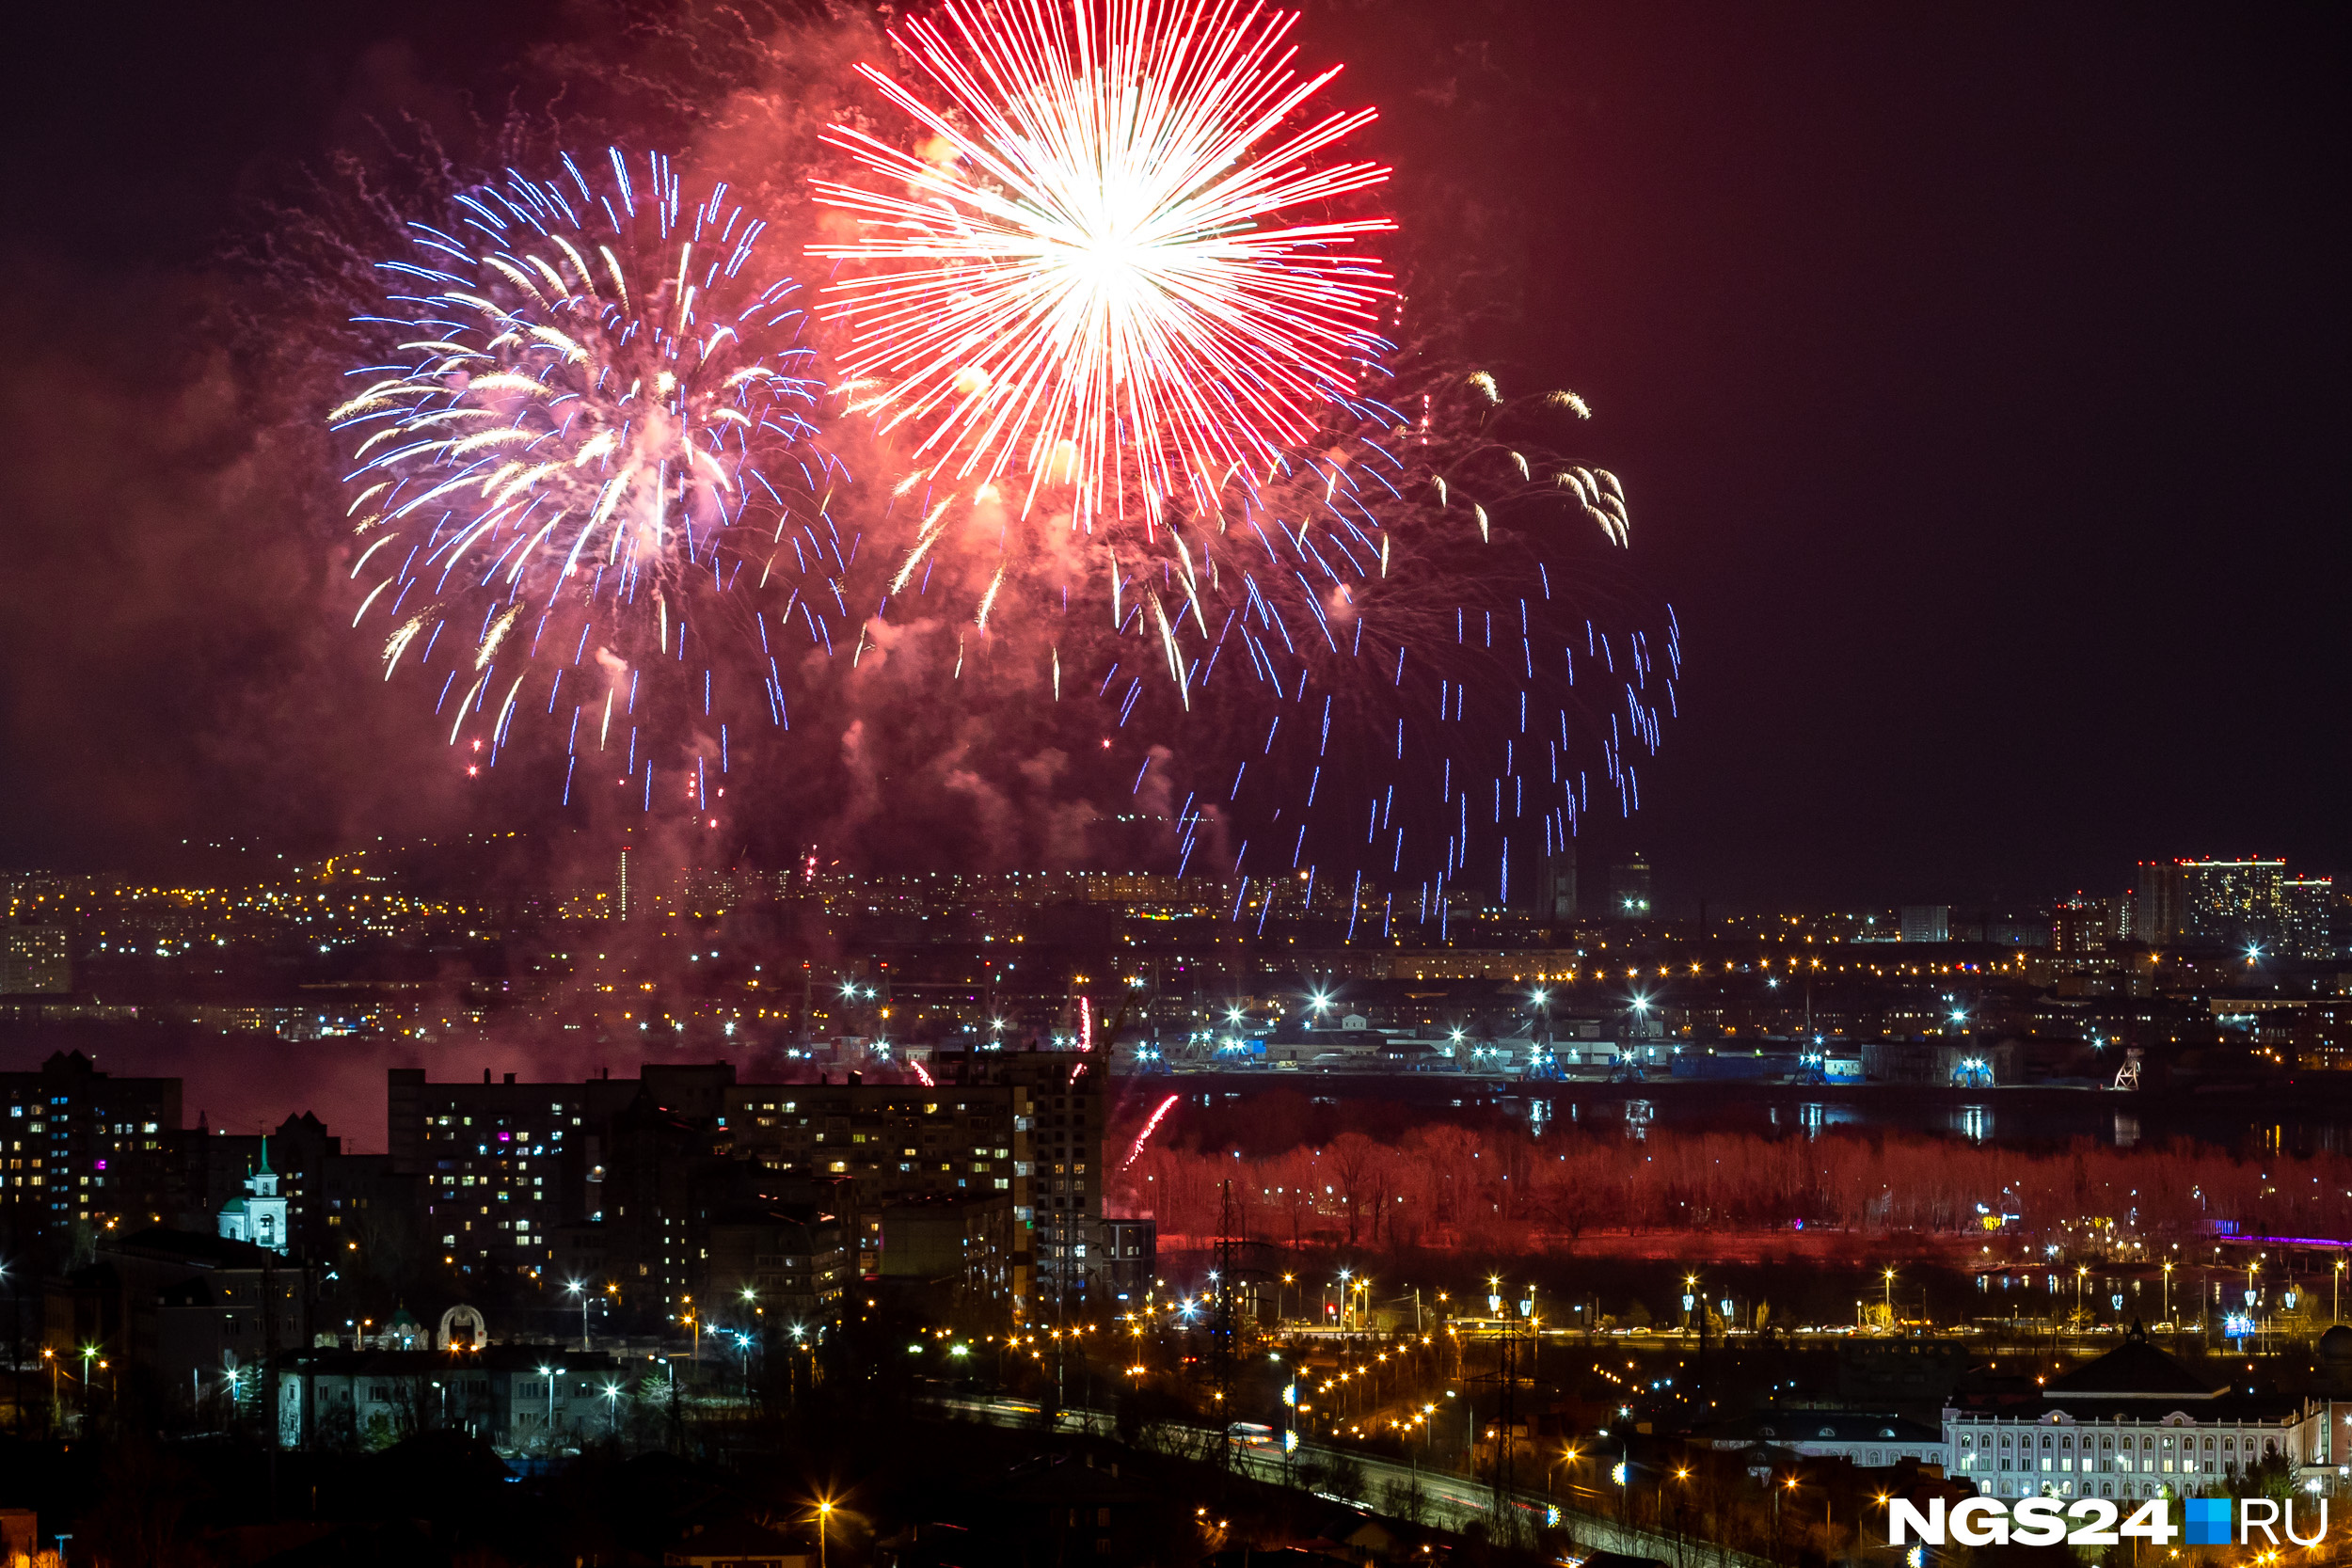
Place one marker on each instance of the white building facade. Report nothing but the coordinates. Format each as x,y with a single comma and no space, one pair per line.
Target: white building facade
2137,1423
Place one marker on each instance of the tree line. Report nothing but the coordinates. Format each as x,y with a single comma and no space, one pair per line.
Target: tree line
1510,1190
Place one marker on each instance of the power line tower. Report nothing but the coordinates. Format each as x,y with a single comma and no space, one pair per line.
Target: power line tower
1221,1302
1516,1334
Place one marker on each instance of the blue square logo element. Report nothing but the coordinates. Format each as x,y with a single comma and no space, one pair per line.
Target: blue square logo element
2208,1521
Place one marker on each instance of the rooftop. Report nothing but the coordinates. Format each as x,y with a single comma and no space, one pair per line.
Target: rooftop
2135,1369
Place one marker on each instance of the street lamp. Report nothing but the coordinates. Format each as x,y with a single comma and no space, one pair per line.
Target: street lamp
580,1289
612,1409
548,1372
2167,1290
824,1511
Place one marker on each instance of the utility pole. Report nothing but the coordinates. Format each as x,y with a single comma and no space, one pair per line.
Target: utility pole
1509,1372
1221,1310
1698,1300
16,1337
1506,1377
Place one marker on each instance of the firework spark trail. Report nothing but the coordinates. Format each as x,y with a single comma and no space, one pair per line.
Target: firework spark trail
1388,635
1151,1126
595,413
1106,269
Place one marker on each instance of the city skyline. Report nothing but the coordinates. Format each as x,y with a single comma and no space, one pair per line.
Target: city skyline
942,783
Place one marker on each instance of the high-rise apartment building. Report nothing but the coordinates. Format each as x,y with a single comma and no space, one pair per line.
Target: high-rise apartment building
1927,922
2308,928
1629,890
503,1164
1025,1125
34,961
2208,903
1549,893
2083,926
81,1147
636,1174
787,1258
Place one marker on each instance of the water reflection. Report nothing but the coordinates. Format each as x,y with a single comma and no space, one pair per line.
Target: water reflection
2315,1124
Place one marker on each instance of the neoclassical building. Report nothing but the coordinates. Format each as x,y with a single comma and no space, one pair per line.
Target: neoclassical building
2138,1423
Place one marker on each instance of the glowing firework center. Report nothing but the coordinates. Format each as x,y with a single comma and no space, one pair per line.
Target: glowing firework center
1090,270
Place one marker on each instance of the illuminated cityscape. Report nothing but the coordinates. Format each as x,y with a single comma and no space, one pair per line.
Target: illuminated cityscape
1073,1123
1007,784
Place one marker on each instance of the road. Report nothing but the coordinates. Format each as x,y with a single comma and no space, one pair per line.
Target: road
1449,1501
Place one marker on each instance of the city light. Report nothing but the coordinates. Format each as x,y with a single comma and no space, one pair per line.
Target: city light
1081,520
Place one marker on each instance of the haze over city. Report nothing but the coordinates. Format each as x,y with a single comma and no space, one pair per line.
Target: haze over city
1166,784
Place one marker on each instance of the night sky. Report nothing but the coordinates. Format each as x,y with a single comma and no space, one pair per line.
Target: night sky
1976,373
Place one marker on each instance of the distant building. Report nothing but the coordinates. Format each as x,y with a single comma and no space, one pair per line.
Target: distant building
1131,1250
1864,1440
1629,890
1028,1125
2082,927
259,1216
183,1305
1927,922
784,1259
518,1398
503,1164
334,1201
2309,918
1940,1063
953,1255
95,1149
1548,890
2138,1423
2182,903
34,961
631,1179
